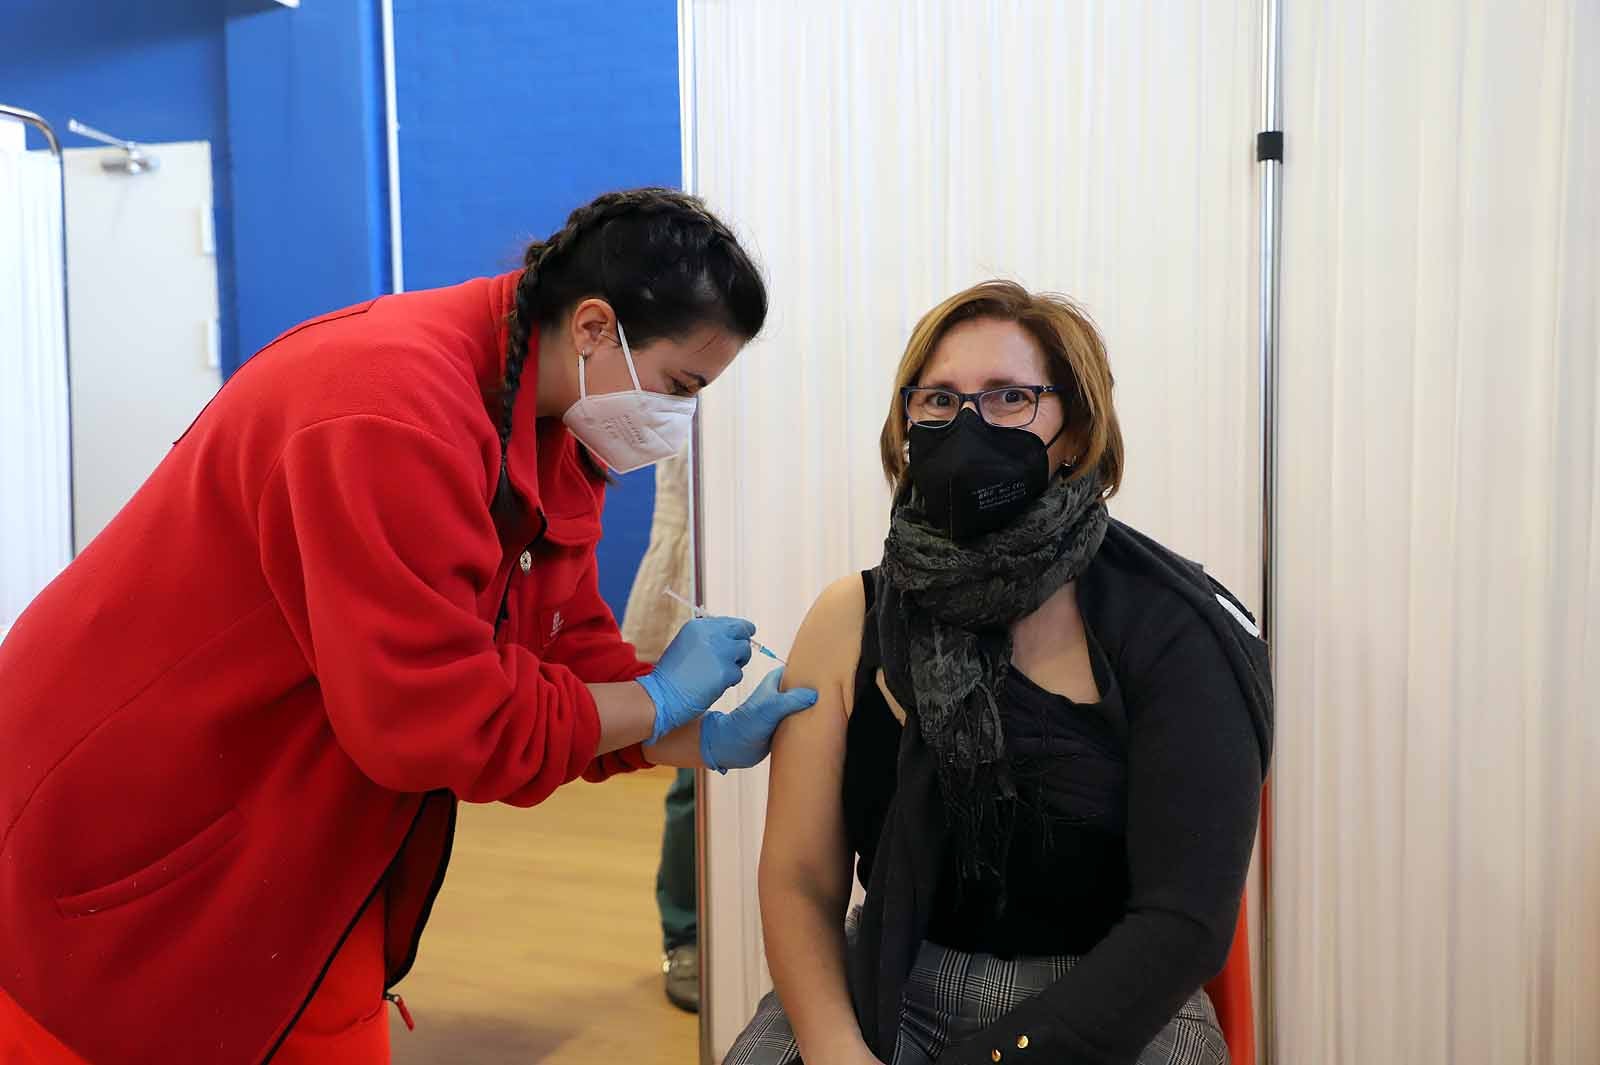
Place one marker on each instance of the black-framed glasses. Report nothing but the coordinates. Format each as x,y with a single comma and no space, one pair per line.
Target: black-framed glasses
1011,407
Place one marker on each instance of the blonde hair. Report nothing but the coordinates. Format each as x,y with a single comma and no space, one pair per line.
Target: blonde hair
1073,349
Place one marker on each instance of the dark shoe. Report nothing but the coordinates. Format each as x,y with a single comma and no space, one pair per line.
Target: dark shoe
682,969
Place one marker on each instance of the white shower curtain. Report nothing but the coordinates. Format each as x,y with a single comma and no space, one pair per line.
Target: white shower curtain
879,157
1437,861
35,503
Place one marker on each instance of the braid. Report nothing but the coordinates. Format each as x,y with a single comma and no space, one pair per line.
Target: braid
564,267
519,329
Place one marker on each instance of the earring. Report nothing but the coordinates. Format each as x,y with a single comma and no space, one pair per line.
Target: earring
585,353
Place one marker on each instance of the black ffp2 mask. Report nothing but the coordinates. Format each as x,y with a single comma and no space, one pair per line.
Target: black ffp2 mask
974,477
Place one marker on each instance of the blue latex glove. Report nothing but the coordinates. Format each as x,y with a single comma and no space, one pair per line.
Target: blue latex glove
705,659
743,738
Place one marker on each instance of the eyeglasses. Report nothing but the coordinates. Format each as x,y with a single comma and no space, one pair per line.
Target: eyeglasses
1011,407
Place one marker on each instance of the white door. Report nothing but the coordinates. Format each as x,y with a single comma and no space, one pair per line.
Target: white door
142,291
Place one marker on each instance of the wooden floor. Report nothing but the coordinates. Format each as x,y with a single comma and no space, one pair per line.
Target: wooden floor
545,944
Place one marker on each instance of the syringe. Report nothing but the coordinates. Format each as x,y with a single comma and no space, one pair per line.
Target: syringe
699,612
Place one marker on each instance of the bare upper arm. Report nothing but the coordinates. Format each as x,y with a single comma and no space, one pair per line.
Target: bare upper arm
805,843
828,646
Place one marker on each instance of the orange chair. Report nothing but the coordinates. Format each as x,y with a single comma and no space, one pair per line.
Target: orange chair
1230,991
1230,994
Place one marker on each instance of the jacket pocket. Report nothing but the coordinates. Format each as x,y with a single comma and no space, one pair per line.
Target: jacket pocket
188,856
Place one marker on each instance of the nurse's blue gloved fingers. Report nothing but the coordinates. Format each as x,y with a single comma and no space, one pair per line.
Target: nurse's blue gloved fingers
705,659
743,738
738,632
734,628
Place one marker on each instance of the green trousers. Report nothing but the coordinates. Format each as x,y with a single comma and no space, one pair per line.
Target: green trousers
676,893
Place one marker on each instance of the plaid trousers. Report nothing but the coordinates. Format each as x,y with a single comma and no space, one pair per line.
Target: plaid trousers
952,996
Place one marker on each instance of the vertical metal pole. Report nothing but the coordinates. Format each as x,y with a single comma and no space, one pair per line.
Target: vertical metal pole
702,824
391,148
702,834
1271,206
1270,159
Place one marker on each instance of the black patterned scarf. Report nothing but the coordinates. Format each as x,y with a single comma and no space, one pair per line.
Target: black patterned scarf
944,630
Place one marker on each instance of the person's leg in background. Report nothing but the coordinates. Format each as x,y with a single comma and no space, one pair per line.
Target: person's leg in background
649,623
677,896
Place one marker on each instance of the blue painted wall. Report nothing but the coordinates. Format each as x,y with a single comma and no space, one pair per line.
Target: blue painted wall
291,102
146,71
512,114
310,185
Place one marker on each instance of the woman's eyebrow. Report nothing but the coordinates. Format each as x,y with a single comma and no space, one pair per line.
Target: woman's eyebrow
999,381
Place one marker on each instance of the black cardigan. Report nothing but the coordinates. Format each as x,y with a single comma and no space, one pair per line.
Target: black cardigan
1197,688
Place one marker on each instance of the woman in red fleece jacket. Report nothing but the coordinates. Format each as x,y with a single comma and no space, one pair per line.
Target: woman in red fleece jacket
361,588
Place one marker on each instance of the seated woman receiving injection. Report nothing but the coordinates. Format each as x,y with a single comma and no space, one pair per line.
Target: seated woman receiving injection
1042,734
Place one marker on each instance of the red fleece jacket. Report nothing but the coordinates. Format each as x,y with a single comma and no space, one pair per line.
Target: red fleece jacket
259,693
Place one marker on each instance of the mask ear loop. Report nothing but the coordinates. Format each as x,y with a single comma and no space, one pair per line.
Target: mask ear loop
627,356
1066,464
583,376
903,493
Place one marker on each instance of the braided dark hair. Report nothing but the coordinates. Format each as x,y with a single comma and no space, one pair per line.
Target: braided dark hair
663,261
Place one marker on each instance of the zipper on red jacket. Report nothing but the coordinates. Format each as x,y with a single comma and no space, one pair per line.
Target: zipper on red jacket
372,894
433,893
400,1004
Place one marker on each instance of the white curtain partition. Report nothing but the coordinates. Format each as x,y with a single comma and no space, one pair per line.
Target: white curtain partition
35,504
880,157
1437,846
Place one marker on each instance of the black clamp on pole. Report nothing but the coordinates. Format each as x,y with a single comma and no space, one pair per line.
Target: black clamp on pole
1269,146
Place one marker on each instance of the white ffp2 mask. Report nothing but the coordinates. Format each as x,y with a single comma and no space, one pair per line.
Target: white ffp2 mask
629,430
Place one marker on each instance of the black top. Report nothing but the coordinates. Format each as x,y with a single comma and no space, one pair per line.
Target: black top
1151,800
1066,880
